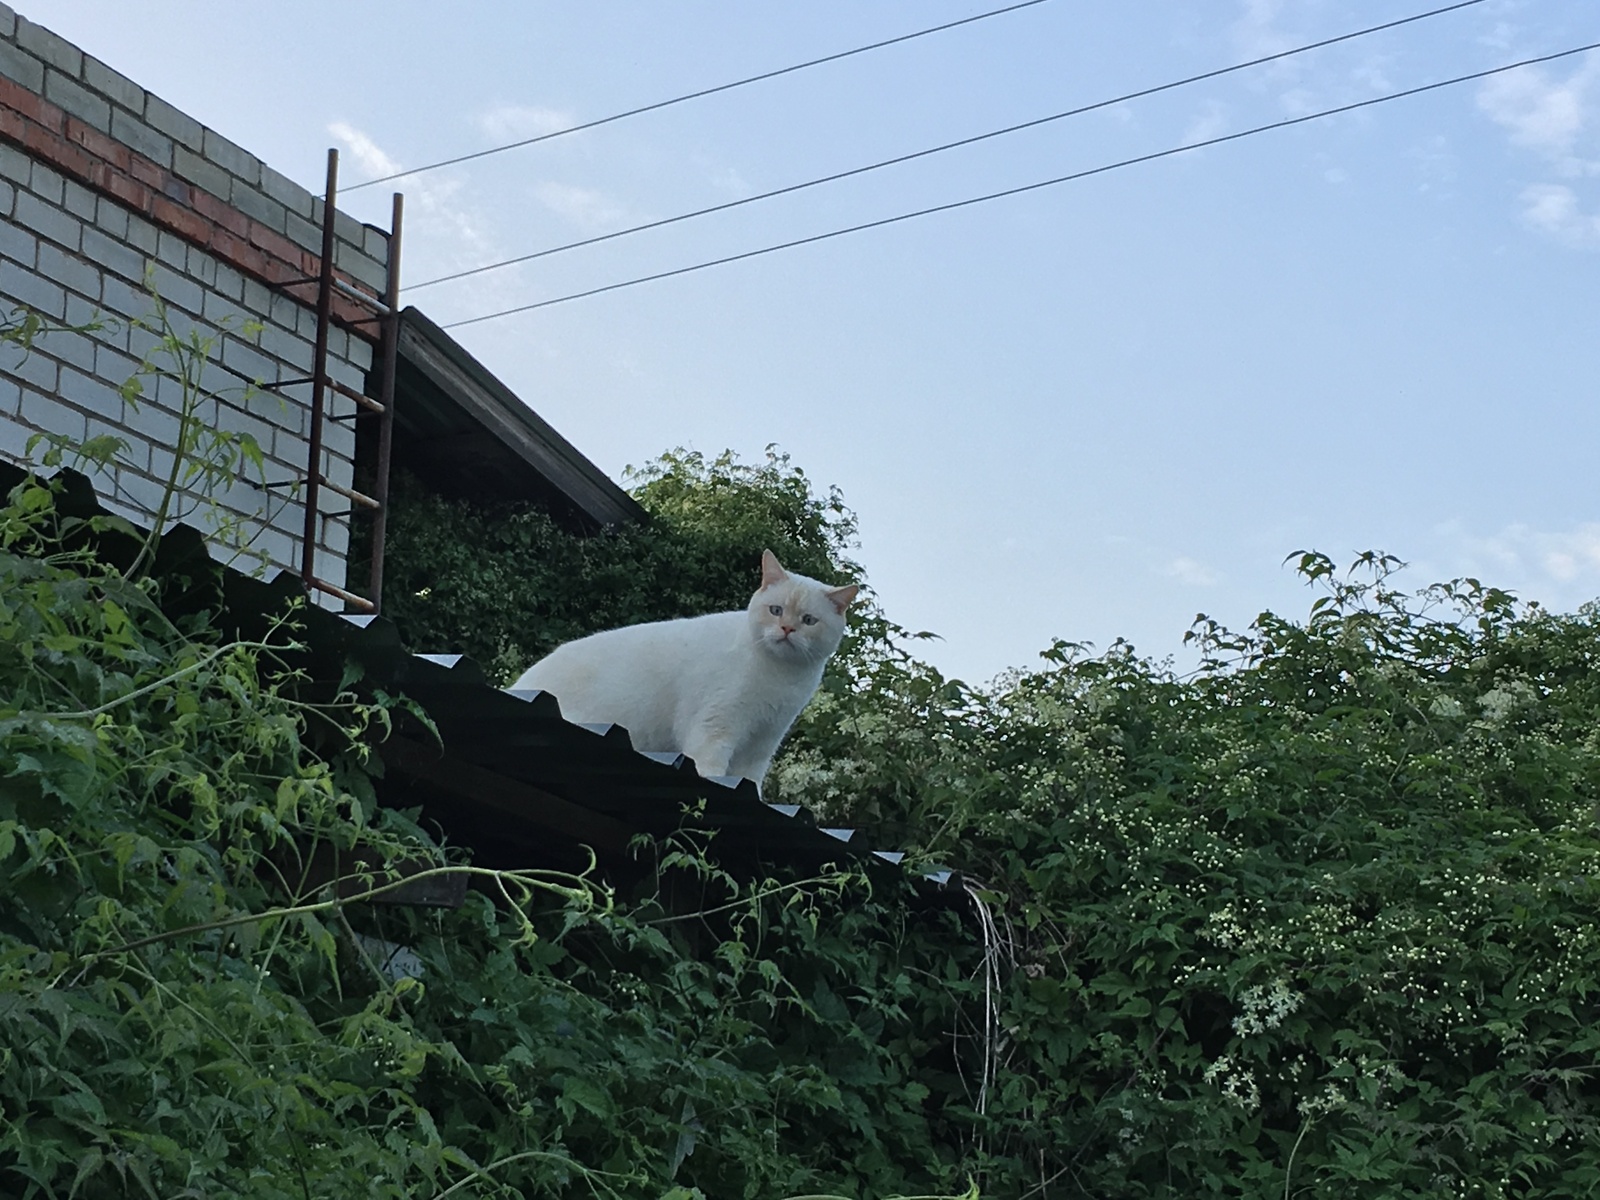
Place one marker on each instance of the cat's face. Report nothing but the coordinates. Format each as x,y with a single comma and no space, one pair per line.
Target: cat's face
795,618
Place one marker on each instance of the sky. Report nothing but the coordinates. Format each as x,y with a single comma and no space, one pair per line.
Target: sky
1090,411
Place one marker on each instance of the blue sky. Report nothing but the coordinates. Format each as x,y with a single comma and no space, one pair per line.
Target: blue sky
1087,412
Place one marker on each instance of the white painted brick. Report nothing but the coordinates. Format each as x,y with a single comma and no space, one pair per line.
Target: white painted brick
70,271
257,296
14,164
80,201
174,251
156,423
251,201
198,170
49,184
289,194
202,267
51,47
140,492
250,361
128,301
48,221
233,420
142,234
288,348
113,254
74,348
175,124
289,415
78,100
39,293
232,158
18,245
218,308
18,65
112,365
8,21
176,289
229,282
87,312
279,548
44,411
141,136
113,84
92,395
14,440
112,219
339,440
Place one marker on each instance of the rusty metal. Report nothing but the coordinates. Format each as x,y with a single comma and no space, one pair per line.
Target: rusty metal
350,494
365,401
319,371
355,293
329,284
333,589
391,350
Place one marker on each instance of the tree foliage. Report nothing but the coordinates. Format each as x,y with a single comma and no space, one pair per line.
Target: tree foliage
1317,918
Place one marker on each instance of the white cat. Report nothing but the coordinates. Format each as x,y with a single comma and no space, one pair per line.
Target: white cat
723,688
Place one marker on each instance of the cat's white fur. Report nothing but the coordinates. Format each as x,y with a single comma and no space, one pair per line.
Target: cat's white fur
723,688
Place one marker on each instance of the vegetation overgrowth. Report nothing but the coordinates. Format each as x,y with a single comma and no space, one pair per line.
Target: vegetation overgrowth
1316,919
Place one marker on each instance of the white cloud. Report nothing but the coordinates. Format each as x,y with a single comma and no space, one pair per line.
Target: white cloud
729,181
367,153
1560,566
1255,32
443,232
1211,123
586,208
514,122
1555,119
1190,571
1553,208
1546,115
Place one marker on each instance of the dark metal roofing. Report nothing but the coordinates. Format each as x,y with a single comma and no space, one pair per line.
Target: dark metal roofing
464,432
507,774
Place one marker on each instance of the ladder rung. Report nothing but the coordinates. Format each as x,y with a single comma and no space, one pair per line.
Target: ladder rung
349,494
322,585
356,293
360,398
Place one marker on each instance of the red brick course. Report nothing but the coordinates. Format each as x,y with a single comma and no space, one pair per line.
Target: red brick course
81,152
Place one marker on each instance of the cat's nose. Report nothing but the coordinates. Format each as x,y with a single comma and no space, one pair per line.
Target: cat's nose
787,629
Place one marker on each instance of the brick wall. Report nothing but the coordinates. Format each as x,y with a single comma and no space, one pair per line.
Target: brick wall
106,191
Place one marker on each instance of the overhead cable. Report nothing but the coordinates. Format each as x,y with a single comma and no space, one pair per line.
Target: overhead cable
967,141
710,91
1032,187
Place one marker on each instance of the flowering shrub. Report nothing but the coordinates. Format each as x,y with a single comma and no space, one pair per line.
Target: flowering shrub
1318,919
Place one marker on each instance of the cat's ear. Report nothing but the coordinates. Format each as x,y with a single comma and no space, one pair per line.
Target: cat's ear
841,597
771,571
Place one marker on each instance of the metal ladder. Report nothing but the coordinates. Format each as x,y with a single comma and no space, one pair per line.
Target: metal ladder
386,316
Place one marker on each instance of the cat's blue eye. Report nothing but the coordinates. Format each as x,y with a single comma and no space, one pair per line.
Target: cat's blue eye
808,619
775,609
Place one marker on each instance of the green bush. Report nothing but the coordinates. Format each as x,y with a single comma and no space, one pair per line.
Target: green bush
1316,919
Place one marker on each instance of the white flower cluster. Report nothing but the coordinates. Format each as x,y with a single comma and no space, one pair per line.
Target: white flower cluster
1237,1082
1501,703
1265,1006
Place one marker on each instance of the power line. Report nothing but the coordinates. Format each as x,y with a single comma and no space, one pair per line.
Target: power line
710,91
968,141
1031,187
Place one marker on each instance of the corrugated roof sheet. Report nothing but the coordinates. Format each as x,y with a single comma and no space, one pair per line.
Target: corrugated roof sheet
508,775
